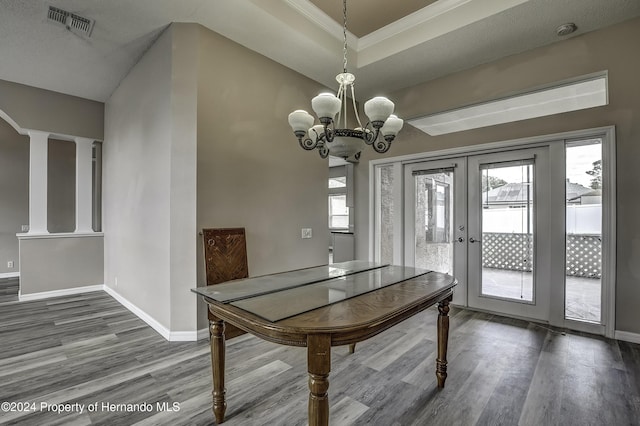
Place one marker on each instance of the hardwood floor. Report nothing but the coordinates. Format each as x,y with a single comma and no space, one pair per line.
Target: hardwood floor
88,349
9,289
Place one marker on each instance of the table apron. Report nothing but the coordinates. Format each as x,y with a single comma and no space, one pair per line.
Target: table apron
339,336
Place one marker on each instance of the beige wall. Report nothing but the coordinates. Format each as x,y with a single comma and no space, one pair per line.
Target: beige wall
14,193
61,186
14,190
251,171
613,49
136,184
49,264
39,109
182,231
197,101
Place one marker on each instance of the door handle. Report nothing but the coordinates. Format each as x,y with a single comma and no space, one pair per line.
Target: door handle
473,240
460,240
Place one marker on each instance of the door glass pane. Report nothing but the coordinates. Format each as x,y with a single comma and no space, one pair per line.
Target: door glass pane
507,230
385,214
584,230
433,227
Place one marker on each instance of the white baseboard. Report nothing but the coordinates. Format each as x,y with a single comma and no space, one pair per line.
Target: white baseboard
203,333
183,336
172,336
10,275
58,293
627,336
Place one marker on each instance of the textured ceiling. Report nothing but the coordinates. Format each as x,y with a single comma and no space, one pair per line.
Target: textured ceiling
443,37
367,16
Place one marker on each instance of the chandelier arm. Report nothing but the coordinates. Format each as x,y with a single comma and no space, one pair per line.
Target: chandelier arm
340,96
344,103
370,134
329,133
307,143
355,109
323,151
381,146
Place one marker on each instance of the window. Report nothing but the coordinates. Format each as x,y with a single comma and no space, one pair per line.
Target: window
338,182
338,212
339,209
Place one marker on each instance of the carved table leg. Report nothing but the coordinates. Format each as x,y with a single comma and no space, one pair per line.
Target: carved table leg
352,348
319,366
216,328
443,338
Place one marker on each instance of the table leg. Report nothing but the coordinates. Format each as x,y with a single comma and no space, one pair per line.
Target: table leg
352,348
443,338
319,366
216,327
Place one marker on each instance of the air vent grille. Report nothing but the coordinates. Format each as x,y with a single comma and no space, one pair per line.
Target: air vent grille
73,22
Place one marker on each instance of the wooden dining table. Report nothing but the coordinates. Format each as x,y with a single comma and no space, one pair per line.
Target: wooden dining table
321,307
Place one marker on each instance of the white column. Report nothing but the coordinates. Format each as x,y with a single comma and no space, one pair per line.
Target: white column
38,161
84,172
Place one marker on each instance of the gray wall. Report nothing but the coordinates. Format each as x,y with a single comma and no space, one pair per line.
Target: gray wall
196,100
14,190
39,109
136,184
61,186
36,109
48,264
14,193
251,171
613,49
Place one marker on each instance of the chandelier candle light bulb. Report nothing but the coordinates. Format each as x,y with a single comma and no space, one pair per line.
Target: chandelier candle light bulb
379,132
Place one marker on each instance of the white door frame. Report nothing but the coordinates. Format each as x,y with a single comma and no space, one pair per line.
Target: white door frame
607,134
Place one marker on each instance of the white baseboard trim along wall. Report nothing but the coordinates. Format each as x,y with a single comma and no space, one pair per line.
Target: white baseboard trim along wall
627,336
172,336
58,293
9,275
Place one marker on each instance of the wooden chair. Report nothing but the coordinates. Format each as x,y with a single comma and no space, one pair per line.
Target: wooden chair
225,258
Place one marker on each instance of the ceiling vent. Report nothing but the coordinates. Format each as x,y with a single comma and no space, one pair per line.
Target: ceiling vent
71,21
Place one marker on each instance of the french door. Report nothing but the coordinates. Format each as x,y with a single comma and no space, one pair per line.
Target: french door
435,217
485,220
509,243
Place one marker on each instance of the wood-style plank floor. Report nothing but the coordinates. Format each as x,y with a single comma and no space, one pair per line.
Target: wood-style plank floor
88,349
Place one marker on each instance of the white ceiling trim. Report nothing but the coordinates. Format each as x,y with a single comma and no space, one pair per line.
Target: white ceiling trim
403,24
465,13
409,31
314,14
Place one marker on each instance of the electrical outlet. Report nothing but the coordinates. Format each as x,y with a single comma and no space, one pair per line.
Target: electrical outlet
306,233
10,264
25,228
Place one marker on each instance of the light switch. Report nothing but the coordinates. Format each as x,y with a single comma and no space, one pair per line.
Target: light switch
306,233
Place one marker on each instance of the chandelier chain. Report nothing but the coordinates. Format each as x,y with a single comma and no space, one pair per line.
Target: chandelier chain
344,33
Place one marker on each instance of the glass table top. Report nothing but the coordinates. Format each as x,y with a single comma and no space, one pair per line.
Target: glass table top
279,305
251,287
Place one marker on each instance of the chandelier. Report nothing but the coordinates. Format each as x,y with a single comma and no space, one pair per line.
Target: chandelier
328,137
